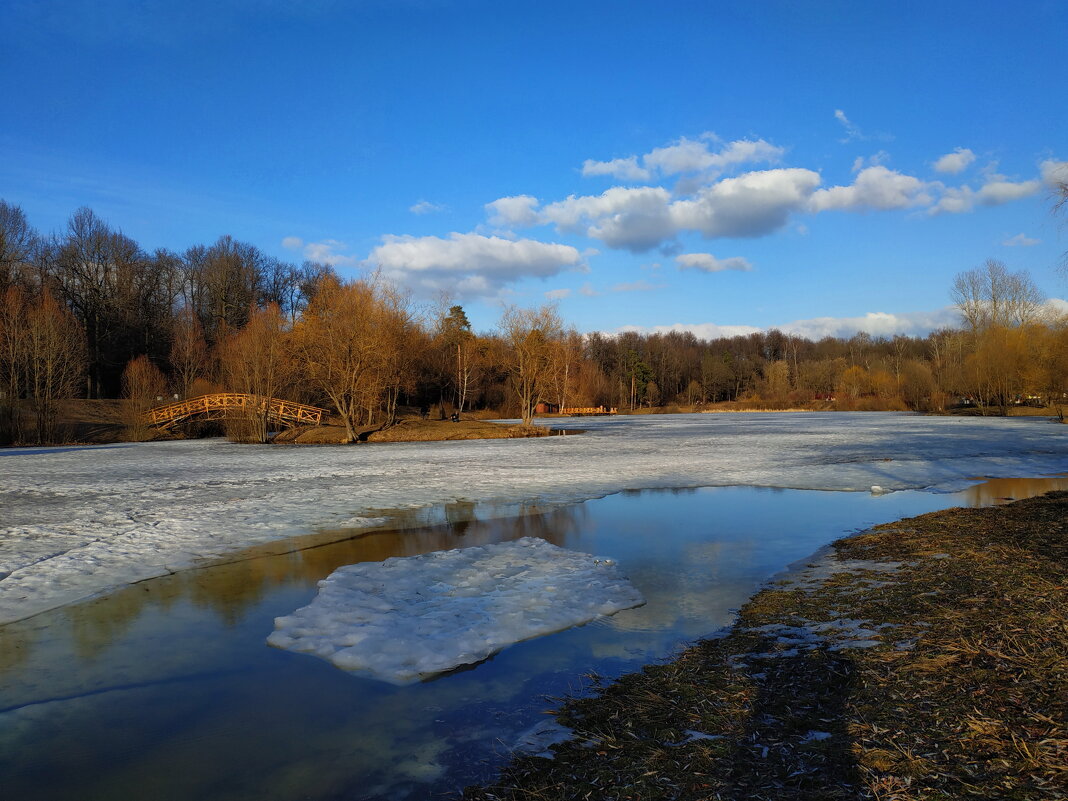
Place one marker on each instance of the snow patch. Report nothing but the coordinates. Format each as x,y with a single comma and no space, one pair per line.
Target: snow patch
411,617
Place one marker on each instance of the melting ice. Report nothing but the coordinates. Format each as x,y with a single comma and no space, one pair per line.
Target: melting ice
76,522
411,617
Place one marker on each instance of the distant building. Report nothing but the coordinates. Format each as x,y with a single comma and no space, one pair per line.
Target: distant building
546,408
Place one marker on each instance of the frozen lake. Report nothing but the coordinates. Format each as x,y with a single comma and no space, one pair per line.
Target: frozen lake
79,521
166,689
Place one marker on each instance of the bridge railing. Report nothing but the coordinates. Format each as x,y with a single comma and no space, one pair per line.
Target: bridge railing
219,404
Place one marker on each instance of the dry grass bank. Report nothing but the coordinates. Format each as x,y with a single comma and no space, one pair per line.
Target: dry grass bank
925,659
412,430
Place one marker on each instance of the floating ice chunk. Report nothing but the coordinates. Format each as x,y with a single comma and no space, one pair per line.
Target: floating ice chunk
415,616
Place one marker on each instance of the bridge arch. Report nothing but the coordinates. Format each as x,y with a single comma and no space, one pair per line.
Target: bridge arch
220,405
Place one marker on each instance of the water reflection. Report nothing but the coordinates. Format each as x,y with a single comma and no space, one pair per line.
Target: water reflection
104,699
995,491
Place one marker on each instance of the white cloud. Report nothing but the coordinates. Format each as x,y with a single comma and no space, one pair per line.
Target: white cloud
292,243
625,169
686,156
558,294
426,207
327,253
852,131
874,160
956,161
876,188
699,330
708,263
689,155
877,324
469,264
995,192
517,210
1054,172
1020,240
588,291
644,217
636,219
751,205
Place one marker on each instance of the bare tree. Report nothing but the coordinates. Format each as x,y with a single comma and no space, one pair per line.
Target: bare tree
13,331
255,362
17,244
352,345
143,386
565,356
531,335
993,296
189,352
55,361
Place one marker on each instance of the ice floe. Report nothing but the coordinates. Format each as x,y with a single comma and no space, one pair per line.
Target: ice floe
411,617
80,521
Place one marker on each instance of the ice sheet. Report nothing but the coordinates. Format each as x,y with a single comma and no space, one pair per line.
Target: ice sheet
75,522
411,617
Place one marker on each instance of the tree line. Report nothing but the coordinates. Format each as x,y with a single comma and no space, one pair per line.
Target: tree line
89,313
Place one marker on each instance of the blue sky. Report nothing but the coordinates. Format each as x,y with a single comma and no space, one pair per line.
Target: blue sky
718,166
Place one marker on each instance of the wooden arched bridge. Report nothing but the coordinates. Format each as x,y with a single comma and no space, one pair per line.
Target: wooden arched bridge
226,404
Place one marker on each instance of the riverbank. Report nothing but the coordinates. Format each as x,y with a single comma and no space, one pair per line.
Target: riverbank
926,658
411,430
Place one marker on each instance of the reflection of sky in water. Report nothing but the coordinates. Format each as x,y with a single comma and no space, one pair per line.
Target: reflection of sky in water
166,690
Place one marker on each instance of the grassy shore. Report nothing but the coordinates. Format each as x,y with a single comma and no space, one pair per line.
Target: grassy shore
413,430
924,659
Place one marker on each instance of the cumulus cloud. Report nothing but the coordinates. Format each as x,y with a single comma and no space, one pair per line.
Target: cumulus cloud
686,156
631,218
995,192
751,205
469,264
875,188
754,203
641,218
689,155
708,263
1020,240
292,243
956,161
625,169
426,207
516,211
